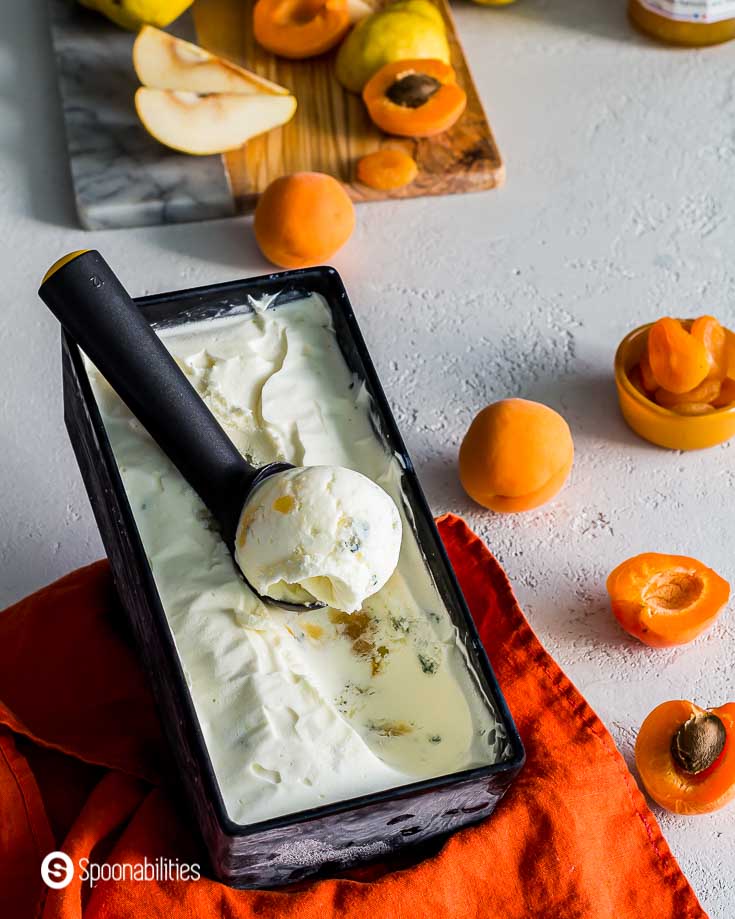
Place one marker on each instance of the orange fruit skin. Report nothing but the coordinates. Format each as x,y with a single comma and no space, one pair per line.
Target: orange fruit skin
435,116
386,169
301,29
679,361
729,354
657,627
707,391
727,394
712,335
668,785
516,455
303,219
647,377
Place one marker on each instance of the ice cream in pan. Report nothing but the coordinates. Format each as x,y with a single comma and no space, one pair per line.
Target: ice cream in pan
301,536
297,709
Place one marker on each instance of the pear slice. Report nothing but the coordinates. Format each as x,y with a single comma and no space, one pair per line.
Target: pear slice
205,124
359,9
163,61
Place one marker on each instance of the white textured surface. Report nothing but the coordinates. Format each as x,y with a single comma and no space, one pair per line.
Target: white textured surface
618,207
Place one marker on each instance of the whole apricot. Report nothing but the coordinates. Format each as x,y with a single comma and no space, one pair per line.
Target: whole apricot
515,456
303,219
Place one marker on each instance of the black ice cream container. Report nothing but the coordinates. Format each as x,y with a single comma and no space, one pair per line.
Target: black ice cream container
330,838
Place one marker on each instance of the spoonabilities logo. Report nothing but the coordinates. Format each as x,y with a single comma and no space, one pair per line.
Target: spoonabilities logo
57,870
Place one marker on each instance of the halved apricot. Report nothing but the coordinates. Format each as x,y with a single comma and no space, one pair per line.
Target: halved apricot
679,361
666,600
300,28
414,98
686,756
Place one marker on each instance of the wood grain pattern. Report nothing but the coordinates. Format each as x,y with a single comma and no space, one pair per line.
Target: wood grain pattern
331,129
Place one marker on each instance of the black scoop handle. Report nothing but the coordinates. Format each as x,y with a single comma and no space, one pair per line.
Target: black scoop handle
91,303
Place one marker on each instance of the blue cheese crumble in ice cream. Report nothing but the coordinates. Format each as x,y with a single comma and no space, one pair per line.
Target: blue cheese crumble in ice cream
297,709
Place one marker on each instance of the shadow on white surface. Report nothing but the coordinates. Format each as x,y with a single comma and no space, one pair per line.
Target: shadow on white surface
439,477
590,405
229,243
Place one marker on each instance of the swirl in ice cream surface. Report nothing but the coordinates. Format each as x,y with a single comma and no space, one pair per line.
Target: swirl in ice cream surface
323,533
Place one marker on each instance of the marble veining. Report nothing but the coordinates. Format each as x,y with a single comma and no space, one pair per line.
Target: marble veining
122,177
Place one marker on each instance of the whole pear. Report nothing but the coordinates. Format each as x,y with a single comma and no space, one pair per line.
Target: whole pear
406,30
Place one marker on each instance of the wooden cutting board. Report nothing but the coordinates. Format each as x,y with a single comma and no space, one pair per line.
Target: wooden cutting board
122,177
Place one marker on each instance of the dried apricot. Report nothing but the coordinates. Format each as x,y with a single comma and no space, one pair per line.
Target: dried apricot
730,354
726,395
693,408
707,391
386,169
647,377
712,335
679,361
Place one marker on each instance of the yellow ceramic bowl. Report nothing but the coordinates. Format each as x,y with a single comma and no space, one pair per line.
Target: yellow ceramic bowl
660,425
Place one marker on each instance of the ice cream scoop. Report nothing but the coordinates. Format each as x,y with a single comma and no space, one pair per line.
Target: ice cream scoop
302,537
321,533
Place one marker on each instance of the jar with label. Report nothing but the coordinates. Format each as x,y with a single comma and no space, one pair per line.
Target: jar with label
685,22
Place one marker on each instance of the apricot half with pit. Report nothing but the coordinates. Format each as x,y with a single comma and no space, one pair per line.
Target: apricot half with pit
516,455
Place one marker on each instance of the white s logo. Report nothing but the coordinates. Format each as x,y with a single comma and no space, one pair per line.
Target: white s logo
57,870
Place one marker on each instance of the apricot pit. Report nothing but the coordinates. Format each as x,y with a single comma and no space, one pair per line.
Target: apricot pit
699,742
686,756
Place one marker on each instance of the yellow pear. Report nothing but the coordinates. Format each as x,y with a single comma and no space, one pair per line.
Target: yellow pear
163,61
205,124
397,32
421,8
132,14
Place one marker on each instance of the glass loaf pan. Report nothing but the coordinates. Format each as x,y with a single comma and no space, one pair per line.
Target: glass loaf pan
331,837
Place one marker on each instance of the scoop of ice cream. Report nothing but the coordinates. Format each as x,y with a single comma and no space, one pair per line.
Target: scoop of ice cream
319,533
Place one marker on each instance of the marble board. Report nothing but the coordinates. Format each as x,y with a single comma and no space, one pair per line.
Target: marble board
122,177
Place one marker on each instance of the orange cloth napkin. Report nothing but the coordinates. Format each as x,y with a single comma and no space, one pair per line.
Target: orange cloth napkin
83,769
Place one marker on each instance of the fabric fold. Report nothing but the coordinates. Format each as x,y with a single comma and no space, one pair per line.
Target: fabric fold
572,839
